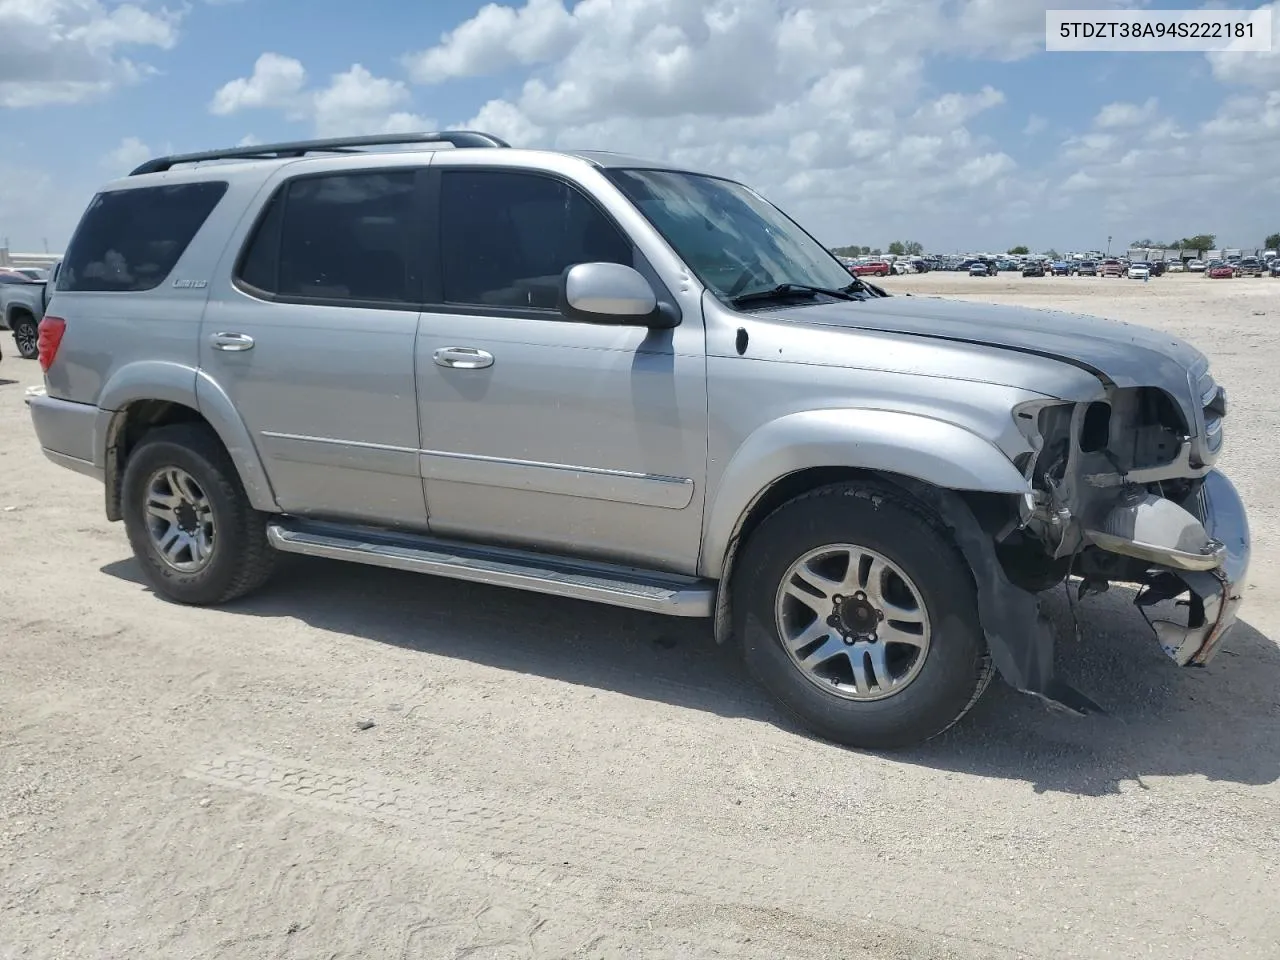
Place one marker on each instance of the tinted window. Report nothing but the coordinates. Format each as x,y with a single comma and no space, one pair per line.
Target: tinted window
344,237
129,240
507,237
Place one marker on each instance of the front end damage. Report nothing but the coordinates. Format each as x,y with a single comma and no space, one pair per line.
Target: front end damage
1123,490
1120,491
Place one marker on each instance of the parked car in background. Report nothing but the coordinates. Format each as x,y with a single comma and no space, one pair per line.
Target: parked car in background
1139,271
1274,268
1111,267
1249,267
1060,268
22,304
1176,266
1087,268
1033,268
1218,270
1196,266
872,268
979,269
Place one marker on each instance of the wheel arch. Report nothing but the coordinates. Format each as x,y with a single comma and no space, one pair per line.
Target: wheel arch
802,452
135,401
16,313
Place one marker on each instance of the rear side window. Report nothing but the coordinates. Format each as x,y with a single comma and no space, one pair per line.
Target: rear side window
340,237
129,240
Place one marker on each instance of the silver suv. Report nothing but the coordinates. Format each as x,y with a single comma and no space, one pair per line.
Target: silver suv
606,378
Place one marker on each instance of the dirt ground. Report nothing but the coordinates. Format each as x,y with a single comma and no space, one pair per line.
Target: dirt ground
548,778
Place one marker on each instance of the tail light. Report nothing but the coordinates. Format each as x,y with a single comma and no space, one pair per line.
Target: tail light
51,331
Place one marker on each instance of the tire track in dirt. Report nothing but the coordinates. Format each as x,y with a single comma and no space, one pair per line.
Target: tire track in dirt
574,856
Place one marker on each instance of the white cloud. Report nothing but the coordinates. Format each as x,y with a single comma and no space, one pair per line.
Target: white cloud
277,81
65,51
826,106
355,102
1123,114
1254,69
128,154
497,37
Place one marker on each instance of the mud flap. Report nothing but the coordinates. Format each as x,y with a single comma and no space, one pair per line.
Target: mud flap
1019,636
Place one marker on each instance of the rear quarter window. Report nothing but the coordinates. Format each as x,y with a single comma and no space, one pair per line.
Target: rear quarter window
130,240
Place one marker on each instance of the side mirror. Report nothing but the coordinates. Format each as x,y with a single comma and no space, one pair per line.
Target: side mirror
612,293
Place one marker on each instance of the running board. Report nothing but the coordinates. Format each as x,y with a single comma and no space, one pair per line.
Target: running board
650,591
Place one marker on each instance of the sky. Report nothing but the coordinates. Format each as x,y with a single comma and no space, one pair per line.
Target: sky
868,121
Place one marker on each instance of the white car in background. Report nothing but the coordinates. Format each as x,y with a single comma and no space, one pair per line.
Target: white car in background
1139,271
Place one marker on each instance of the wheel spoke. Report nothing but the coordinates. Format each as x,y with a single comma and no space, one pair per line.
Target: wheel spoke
857,665
819,605
834,646
162,511
817,581
879,657
172,542
814,632
870,582
186,487
888,633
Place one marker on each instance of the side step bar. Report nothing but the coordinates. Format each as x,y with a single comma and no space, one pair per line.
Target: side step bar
653,592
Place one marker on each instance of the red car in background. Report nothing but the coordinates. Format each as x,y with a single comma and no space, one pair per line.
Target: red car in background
876,268
1220,271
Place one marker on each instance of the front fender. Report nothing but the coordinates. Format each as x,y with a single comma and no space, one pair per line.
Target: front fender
933,451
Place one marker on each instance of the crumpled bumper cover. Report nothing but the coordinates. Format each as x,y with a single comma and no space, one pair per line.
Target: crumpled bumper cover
1215,595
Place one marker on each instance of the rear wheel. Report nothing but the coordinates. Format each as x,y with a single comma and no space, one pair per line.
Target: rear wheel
860,616
26,336
196,536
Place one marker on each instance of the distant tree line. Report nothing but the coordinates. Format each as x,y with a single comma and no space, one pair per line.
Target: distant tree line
912,248
899,248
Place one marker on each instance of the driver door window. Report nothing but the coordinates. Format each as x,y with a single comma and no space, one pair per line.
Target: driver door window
507,237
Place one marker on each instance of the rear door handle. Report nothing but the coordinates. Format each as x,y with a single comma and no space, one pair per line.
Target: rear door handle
463,358
234,342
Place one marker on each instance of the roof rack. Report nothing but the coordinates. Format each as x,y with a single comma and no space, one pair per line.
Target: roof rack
300,148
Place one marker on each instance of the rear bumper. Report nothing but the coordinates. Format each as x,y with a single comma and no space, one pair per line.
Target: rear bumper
66,431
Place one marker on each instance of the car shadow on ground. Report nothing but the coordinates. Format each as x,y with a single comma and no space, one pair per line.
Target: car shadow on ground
1221,722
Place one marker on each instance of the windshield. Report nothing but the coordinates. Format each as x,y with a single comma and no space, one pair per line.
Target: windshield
732,239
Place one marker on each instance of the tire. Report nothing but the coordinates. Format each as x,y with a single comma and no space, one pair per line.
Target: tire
239,560
26,336
956,667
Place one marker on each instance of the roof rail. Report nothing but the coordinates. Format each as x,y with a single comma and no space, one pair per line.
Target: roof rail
300,148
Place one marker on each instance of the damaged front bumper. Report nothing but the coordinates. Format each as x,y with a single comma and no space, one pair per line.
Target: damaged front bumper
1199,547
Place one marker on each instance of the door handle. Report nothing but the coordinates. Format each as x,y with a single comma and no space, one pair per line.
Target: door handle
234,342
463,358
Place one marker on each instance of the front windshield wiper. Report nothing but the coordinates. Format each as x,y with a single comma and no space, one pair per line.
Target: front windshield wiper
785,290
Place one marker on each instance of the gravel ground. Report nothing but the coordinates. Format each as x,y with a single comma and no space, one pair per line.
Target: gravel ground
547,778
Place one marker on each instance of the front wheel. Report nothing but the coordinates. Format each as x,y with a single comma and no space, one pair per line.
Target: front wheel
860,616
26,336
193,530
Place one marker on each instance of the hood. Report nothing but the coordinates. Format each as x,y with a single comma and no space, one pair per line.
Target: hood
1119,353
